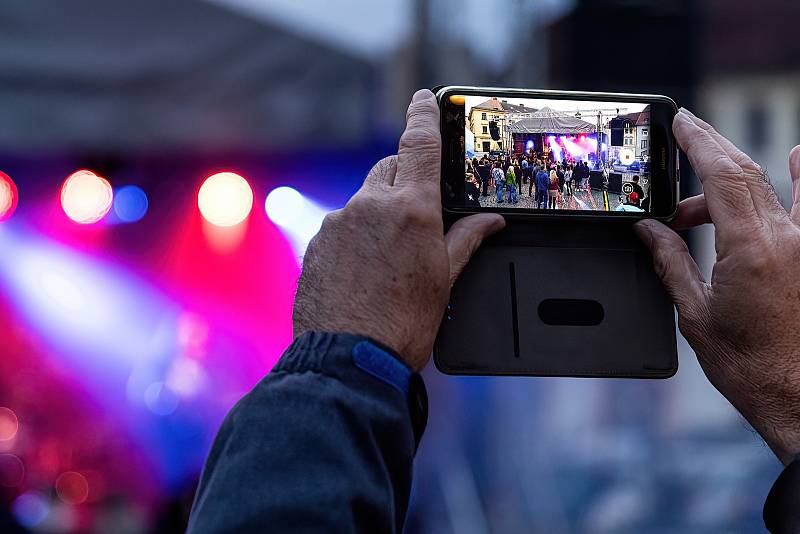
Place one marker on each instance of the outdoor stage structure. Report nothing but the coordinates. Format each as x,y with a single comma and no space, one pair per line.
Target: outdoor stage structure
558,135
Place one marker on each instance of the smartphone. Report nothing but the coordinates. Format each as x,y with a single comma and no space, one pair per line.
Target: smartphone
530,152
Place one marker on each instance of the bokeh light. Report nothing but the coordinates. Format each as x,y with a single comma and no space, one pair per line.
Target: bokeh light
72,487
298,217
9,424
86,197
130,203
225,199
8,197
12,471
160,399
284,205
31,509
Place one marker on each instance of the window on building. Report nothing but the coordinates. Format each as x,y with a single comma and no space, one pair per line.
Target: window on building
483,116
644,131
644,144
485,129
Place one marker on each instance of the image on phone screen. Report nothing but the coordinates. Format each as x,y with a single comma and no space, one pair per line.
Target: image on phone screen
554,154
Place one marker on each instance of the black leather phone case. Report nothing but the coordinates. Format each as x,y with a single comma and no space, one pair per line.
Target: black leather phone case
560,298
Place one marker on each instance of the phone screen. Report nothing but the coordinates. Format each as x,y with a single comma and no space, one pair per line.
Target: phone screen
550,155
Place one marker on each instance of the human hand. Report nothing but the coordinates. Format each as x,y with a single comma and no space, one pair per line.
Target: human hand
741,325
381,266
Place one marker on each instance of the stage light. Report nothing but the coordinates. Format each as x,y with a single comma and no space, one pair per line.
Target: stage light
225,199
555,148
299,217
9,424
160,399
8,196
130,203
573,148
72,487
284,205
86,197
31,509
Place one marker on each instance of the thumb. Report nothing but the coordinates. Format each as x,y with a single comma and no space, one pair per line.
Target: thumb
466,235
674,265
794,170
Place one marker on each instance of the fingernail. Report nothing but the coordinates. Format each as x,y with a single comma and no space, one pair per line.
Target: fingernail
422,94
682,117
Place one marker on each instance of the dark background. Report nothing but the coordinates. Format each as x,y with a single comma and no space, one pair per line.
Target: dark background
123,346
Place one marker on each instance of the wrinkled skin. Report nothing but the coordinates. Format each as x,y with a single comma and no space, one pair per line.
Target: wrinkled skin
381,266
743,323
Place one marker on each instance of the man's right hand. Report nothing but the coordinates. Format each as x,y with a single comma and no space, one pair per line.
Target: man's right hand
743,325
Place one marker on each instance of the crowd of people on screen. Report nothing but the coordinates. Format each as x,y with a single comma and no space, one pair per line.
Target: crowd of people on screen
549,183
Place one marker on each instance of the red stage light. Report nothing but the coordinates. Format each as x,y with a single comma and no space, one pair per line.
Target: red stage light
72,487
8,197
86,197
9,424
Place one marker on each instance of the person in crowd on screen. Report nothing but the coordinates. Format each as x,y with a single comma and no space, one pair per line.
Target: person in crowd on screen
484,176
499,178
511,184
552,190
472,192
631,203
561,177
637,188
526,167
326,441
568,180
542,186
537,166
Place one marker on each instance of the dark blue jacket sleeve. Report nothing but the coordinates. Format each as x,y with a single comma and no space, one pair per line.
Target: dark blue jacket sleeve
324,443
782,508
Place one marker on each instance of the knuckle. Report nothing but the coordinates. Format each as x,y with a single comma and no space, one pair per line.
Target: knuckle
331,221
722,165
383,166
761,260
414,214
421,137
428,106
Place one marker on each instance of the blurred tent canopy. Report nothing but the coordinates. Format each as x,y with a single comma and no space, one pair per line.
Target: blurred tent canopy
548,120
92,74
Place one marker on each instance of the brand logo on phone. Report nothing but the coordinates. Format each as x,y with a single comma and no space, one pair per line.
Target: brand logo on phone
663,158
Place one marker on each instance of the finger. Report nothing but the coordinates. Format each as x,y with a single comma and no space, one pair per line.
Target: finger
466,235
674,265
691,212
762,193
382,173
727,196
794,171
420,152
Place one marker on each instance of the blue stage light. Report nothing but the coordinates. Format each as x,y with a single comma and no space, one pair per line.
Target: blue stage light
130,204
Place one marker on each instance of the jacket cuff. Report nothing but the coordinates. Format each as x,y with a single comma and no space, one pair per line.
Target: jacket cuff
354,358
782,507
